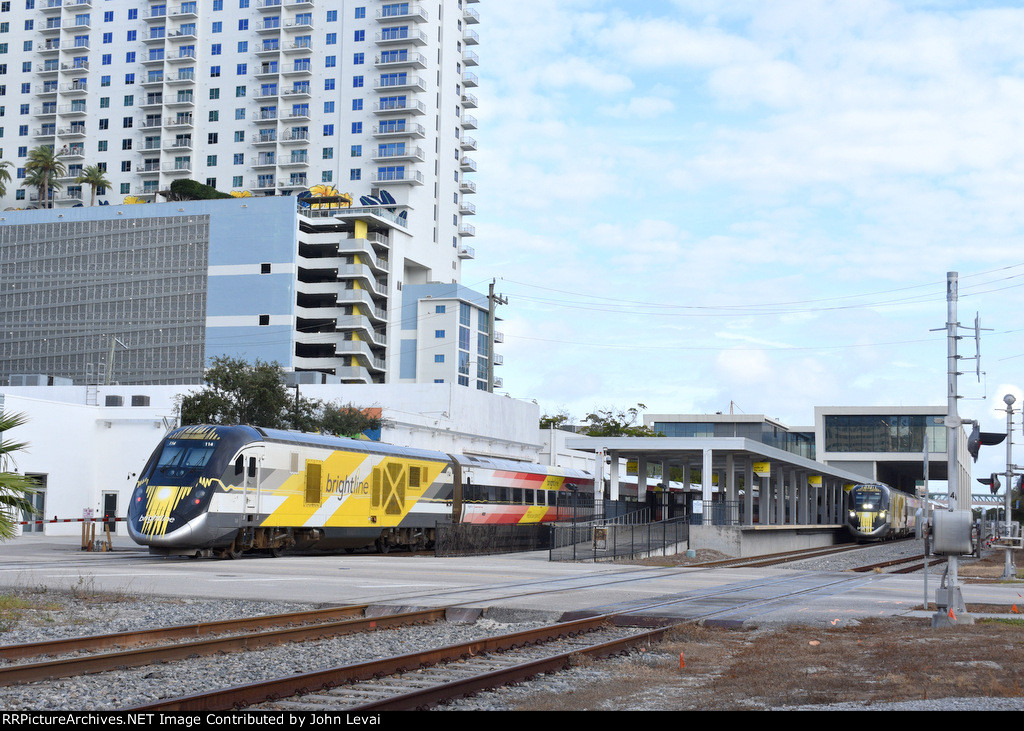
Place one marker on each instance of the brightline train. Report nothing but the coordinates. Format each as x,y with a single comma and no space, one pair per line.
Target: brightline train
227,490
878,512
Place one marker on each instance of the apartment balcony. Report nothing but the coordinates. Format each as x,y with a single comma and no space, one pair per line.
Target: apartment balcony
263,183
266,137
470,79
467,165
265,116
295,182
403,13
153,80
48,68
302,92
268,70
155,59
51,27
468,122
297,25
467,252
467,209
399,152
184,120
149,168
469,101
184,55
188,34
47,110
402,60
178,167
155,37
181,77
400,82
46,131
467,230
297,47
397,177
266,94
467,186
268,6
293,137
302,67
75,88
405,130
470,16
393,106
73,110
187,100
470,37
152,143
467,143
178,145
469,58
73,152
185,11
78,67
269,26
269,48
155,16
397,36
49,7
295,160
75,130
263,161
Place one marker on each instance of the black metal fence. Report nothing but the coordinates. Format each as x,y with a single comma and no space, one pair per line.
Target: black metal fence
466,539
607,540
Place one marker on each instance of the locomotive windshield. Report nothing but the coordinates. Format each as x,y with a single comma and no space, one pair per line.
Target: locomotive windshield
182,458
868,499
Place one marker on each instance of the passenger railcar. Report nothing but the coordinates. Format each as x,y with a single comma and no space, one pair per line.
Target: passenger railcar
214,490
878,512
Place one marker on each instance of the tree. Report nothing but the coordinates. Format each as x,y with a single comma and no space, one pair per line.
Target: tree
606,423
42,170
95,177
557,421
5,177
237,392
16,490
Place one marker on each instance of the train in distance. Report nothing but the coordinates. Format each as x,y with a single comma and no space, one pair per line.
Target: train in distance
878,512
229,490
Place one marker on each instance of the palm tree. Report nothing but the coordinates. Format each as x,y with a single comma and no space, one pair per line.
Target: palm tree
16,490
42,170
5,177
94,176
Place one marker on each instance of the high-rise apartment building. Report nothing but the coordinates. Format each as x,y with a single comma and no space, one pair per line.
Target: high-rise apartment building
266,97
262,98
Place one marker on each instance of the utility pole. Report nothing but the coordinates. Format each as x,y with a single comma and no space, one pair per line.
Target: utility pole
492,302
1009,571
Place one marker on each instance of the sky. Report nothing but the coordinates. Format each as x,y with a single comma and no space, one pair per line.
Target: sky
705,205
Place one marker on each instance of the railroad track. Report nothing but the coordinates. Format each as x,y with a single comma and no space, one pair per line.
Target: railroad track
603,639
424,678
774,559
917,566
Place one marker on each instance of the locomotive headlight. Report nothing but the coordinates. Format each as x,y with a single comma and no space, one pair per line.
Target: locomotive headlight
882,515
164,494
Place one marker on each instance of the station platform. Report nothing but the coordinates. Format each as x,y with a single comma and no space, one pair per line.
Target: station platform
744,541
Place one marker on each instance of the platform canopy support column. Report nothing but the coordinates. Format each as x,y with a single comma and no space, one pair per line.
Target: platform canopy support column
641,480
794,485
748,492
780,497
613,477
731,490
707,486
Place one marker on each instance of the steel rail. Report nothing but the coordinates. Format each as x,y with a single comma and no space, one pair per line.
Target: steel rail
304,683
200,629
28,672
